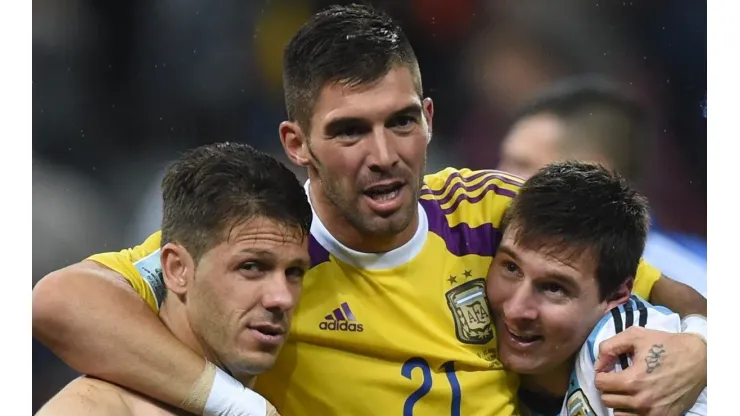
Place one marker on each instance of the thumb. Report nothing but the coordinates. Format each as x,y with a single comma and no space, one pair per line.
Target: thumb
609,350
605,363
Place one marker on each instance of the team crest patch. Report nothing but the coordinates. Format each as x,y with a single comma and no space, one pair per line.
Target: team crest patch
469,308
150,270
578,404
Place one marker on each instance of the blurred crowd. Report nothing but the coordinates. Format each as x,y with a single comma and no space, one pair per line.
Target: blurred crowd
119,88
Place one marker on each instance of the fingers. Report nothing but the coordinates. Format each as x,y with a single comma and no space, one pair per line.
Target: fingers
625,404
622,343
605,362
658,381
624,413
616,382
618,401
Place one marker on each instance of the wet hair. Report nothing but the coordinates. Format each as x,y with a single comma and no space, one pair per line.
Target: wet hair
352,45
570,208
213,188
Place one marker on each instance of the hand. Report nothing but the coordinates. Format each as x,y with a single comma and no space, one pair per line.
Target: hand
667,374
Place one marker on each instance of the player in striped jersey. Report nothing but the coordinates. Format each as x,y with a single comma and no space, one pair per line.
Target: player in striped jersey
393,318
560,285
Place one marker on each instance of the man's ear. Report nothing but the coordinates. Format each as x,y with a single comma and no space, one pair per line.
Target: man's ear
178,268
428,105
294,143
621,295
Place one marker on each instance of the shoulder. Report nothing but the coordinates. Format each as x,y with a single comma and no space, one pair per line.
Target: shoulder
467,196
465,207
470,181
132,255
140,266
635,312
87,396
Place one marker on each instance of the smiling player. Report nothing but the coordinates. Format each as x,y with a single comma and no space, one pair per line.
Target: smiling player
401,253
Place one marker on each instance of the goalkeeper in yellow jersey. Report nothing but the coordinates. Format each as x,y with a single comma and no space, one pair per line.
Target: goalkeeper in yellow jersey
393,319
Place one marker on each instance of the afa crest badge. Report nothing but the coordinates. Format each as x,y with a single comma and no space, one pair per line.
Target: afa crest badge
578,404
469,307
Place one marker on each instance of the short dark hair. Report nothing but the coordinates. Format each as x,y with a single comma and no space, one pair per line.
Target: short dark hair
599,113
352,44
215,187
575,207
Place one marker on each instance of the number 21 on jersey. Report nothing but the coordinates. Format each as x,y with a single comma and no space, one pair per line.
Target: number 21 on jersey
426,384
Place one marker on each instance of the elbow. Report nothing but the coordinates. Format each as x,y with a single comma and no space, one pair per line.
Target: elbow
678,297
50,304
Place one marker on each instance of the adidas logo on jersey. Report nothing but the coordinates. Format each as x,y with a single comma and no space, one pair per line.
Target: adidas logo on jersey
341,319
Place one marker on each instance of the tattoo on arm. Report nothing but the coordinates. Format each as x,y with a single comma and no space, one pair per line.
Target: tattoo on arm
653,359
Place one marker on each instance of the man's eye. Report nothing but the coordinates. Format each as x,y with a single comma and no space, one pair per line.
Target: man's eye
251,266
554,289
510,267
404,122
295,273
351,132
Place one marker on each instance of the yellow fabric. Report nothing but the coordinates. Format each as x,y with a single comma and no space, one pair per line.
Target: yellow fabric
647,275
414,339
140,266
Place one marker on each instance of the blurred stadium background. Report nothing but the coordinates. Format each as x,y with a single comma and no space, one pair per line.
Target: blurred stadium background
119,88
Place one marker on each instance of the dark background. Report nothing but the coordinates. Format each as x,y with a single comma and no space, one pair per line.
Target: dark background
119,88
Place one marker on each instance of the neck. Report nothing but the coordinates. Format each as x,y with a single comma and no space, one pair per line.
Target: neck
174,317
344,232
553,383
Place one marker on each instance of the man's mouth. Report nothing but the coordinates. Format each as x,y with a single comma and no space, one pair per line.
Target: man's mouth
268,333
268,329
385,191
518,338
523,337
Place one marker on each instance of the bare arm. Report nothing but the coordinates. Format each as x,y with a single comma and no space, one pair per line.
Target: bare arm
678,297
91,318
86,397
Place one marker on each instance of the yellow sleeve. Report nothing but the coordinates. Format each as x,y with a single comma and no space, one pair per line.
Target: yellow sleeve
140,265
646,277
471,197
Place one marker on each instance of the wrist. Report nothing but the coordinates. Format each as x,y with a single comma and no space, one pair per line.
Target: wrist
695,325
199,391
228,397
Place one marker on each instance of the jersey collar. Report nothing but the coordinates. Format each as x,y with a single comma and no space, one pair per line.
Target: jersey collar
370,261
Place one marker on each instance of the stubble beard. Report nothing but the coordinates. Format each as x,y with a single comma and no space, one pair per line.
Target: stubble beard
368,225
